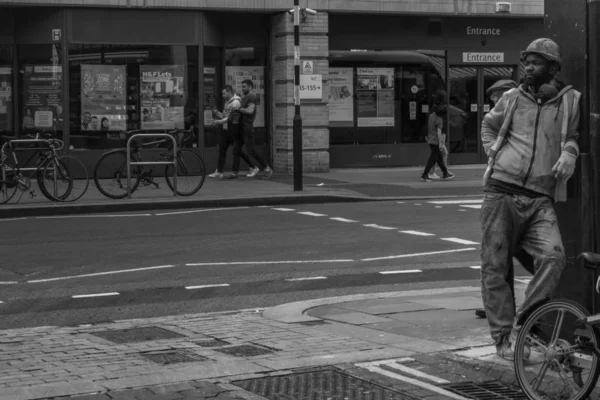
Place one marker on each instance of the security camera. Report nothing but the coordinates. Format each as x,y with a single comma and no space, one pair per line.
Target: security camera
310,11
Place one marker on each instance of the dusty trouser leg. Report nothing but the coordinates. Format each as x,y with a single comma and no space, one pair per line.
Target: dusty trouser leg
542,240
499,230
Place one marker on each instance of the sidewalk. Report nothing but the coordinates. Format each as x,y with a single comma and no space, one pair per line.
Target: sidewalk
334,186
421,344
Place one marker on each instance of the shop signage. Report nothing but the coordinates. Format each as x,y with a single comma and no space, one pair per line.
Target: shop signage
483,31
55,35
483,57
42,104
311,87
341,96
103,97
162,96
375,96
307,67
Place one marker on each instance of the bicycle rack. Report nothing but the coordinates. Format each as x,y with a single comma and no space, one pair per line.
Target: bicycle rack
129,163
10,143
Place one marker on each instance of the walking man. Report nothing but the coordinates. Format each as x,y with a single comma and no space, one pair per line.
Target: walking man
231,135
530,138
435,139
248,111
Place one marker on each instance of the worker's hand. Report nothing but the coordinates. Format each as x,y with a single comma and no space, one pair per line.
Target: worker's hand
565,166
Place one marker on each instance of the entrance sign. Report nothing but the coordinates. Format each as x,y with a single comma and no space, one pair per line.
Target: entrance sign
483,57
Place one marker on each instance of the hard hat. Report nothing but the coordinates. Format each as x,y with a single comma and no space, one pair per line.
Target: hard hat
544,47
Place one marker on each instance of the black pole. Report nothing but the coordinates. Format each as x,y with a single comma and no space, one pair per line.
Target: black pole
297,130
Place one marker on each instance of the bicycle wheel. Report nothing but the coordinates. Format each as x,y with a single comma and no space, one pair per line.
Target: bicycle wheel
8,185
561,363
190,173
110,175
69,172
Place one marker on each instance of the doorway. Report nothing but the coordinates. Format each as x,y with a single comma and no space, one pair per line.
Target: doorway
468,103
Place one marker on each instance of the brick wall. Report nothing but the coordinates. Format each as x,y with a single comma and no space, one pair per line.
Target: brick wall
314,46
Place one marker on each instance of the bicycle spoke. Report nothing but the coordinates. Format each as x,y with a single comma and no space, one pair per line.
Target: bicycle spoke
538,379
534,342
557,327
565,378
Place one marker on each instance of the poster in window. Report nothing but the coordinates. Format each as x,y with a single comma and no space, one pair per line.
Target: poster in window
42,103
236,75
162,95
210,94
341,97
375,93
103,98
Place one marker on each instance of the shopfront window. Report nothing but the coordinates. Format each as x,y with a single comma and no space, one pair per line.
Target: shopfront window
383,97
211,96
6,94
41,96
123,87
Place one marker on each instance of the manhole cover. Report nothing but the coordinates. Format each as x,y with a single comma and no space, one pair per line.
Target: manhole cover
212,343
486,390
172,356
142,334
246,350
324,384
313,323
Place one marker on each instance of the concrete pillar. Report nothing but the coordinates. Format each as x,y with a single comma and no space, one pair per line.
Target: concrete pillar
314,46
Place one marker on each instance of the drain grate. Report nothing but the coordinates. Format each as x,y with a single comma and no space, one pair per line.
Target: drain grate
313,323
246,350
167,357
212,343
134,335
486,390
323,384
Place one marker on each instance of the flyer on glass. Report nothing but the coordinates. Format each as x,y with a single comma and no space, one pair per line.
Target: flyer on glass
42,90
236,75
341,96
162,95
103,98
375,93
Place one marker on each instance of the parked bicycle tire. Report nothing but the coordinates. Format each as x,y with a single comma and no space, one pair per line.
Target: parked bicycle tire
46,179
71,171
110,175
191,173
8,187
555,342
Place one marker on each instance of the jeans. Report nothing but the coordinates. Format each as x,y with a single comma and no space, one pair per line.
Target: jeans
233,137
526,228
248,137
435,157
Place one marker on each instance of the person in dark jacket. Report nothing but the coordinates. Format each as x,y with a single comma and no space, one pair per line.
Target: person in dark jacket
530,137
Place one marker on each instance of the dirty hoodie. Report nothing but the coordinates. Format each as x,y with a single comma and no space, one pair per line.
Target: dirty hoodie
524,137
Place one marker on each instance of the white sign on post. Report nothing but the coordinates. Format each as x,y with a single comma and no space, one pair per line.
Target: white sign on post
311,87
307,67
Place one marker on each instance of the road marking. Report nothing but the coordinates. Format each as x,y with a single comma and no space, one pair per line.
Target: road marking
207,286
372,366
12,219
122,271
9,283
283,209
208,264
342,219
418,204
397,364
464,201
95,216
400,202
419,254
199,211
386,228
475,206
475,267
437,206
81,296
1,302
312,214
405,271
459,241
462,210
311,278
417,233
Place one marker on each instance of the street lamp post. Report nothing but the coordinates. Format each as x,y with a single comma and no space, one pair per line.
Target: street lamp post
297,129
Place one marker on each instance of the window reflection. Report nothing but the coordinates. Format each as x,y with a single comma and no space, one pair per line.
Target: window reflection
6,92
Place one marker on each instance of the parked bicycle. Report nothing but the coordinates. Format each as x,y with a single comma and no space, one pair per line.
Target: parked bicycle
110,173
557,350
59,178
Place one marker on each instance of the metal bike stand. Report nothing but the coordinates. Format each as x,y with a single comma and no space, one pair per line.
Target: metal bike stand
129,163
10,142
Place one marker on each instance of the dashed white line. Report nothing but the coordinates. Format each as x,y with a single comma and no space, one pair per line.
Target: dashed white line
95,216
199,211
82,296
267,262
12,219
397,364
459,241
419,254
1,302
311,278
342,219
418,204
475,267
122,271
9,283
475,206
207,286
402,271
417,233
437,206
464,201
283,209
400,202
386,228
311,214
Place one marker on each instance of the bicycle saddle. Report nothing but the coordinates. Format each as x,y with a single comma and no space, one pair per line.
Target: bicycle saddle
591,258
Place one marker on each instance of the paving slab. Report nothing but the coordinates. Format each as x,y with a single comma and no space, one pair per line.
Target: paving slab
454,303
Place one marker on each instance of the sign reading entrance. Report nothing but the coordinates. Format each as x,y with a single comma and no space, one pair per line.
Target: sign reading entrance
483,57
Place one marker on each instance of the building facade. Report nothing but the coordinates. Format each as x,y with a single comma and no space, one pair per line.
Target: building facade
86,71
